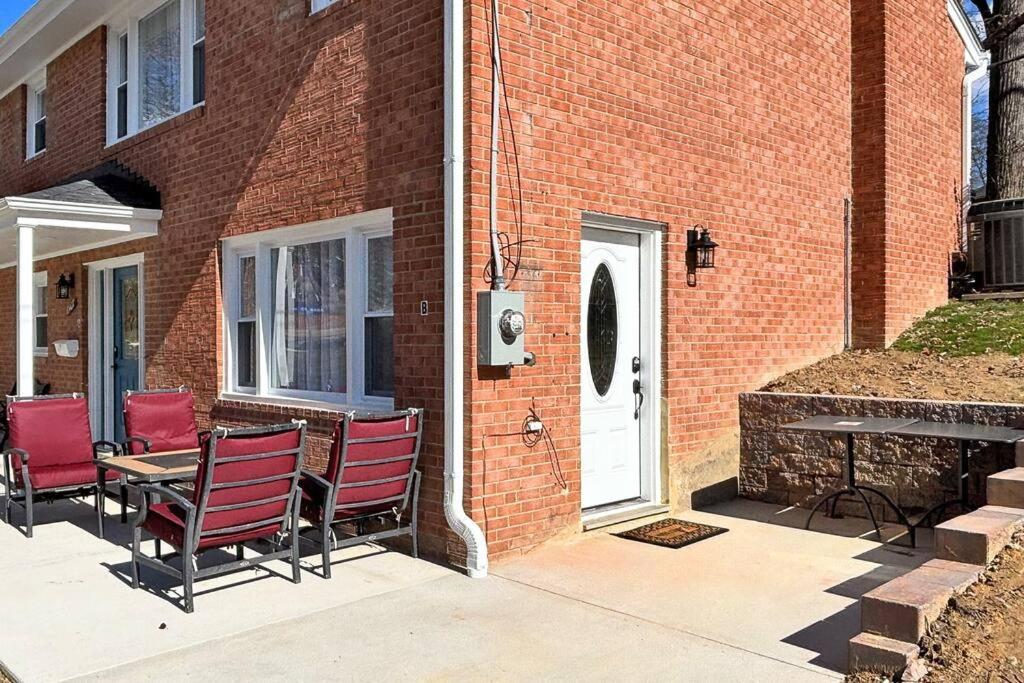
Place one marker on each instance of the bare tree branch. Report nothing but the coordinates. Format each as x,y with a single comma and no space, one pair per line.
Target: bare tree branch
1003,32
983,8
1002,62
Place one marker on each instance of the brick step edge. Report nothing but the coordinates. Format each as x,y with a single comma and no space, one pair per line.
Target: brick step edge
1006,489
878,654
904,608
977,537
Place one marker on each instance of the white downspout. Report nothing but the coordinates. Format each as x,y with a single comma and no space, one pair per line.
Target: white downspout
25,354
454,279
970,80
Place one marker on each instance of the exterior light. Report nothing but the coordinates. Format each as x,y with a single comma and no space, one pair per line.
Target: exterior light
65,284
701,247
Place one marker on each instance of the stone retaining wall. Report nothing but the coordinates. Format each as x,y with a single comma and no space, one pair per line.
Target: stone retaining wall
797,469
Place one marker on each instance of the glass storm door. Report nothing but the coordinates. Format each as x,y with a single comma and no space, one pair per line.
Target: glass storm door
612,409
124,352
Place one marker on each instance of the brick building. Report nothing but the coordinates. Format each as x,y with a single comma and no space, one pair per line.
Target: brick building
255,199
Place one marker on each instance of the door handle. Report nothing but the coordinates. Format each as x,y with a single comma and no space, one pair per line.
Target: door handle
638,398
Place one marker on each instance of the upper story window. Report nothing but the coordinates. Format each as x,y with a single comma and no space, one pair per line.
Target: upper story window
309,313
36,112
317,5
156,65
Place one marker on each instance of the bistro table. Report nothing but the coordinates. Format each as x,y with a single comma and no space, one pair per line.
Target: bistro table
849,427
965,435
146,469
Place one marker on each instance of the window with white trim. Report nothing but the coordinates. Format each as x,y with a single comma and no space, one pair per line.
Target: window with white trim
309,312
40,334
36,113
156,65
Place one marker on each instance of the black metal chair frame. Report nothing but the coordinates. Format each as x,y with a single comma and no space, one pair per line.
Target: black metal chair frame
27,497
412,493
195,512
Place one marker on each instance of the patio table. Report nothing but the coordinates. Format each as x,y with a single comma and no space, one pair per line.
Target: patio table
147,469
849,427
965,435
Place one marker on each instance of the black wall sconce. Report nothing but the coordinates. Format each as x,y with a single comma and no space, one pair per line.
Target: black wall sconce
65,283
700,252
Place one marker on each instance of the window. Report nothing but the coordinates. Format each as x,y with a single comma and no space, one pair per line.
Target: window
39,311
36,111
157,66
379,318
318,5
310,314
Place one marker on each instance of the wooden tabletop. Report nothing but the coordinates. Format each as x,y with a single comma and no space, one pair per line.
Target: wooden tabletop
169,466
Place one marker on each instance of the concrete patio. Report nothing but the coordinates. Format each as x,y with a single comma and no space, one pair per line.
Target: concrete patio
764,602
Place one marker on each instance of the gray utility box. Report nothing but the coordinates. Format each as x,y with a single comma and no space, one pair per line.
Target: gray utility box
500,327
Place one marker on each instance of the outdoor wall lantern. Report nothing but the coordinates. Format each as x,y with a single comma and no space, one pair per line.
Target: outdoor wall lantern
700,252
65,283
700,244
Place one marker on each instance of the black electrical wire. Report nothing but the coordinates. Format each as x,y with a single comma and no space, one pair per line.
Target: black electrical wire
511,250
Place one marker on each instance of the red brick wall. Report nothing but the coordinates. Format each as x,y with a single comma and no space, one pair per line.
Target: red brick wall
306,118
908,66
735,115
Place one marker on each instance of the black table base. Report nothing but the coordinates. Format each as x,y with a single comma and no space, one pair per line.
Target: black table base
855,490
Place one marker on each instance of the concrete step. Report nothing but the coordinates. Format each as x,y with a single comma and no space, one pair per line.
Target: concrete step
1020,454
1006,489
878,654
977,537
904,608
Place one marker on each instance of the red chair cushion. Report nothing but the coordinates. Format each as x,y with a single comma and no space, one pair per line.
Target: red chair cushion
166,420
227,471
166,521
354,501
53,431
312,505
44,478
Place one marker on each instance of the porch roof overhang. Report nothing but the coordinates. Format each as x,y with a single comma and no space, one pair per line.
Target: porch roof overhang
64,227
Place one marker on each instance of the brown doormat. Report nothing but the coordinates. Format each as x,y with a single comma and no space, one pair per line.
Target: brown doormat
671,533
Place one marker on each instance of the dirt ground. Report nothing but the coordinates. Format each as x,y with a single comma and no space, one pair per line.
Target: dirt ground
992,377
980,638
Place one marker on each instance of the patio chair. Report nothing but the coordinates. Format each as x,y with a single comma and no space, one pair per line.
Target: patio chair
246,489
371,475
159,420
41,390
51,454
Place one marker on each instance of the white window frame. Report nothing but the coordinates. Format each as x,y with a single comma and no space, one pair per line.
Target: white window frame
355,230
36,86
128,24
319,5
40,280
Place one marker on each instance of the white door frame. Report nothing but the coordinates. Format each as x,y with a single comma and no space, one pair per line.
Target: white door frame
101,403
650,234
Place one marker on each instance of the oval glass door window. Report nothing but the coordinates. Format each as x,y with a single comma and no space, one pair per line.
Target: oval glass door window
602,329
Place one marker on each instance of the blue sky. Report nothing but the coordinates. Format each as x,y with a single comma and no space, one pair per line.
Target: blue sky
11,10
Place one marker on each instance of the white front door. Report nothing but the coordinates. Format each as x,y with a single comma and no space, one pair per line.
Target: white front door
612,382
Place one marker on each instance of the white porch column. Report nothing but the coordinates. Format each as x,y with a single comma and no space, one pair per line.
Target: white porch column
26,319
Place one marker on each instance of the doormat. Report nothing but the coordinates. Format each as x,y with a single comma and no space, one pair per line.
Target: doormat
671,533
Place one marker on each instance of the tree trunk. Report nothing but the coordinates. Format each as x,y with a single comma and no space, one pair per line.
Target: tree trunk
1006,109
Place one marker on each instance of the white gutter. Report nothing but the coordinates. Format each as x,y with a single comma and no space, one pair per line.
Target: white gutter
454,285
